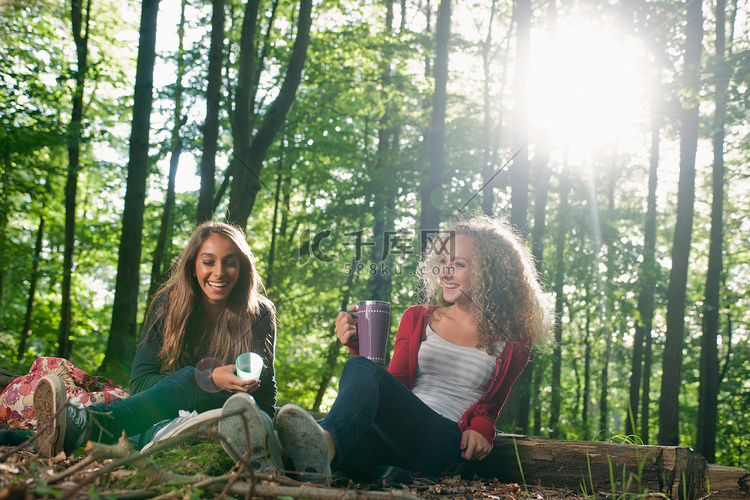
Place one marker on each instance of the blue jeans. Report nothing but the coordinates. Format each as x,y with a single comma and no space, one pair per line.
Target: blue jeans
177,391
377,421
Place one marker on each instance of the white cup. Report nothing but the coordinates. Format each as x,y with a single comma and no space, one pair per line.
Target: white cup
249,366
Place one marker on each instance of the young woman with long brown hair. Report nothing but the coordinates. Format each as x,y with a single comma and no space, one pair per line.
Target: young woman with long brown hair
209,311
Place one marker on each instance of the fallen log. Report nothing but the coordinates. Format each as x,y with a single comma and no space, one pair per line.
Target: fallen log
603,468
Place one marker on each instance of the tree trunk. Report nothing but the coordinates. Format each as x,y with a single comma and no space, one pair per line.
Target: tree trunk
709,360
5,178
610,312
334,348
672,358
431,196
519,179
519,172
647,278
586,366
246,178
81,38
261,60
428,27
488,130
123,332
26,330
213,103
646,392
244,112
274,220
559,301
383,174
646,294
529,381
157,273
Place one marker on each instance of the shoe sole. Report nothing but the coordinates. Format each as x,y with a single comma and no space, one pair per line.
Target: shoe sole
49,397
305,442
239,413
182,425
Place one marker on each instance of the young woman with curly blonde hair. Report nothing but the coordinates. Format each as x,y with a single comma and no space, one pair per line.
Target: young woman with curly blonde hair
453,365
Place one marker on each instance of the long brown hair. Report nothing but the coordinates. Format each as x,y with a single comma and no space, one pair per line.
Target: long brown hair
505,288
181,306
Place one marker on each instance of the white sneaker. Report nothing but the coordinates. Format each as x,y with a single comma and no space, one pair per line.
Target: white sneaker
306,444
185,422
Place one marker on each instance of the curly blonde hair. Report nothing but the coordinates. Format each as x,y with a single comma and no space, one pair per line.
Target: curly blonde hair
505,285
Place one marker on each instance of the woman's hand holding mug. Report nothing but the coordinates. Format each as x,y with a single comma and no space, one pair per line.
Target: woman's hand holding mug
346,326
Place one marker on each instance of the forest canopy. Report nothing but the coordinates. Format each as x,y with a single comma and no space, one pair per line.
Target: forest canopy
613,135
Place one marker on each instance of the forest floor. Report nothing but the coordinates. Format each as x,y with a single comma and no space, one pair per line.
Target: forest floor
199,468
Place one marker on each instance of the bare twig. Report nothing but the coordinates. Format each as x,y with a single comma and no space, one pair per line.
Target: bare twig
71,470
321,493
124,450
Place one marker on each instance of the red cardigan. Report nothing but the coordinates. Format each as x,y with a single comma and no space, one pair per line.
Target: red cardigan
481,415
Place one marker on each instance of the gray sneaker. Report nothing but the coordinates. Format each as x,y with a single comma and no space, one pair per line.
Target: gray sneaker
70,427
306,444
240,414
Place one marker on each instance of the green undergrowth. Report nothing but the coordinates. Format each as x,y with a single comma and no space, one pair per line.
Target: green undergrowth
189,458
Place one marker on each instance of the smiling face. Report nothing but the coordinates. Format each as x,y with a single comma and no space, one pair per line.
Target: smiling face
455,270
217,268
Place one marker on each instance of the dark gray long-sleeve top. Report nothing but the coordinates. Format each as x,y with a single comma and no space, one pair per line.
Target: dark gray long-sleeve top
147,366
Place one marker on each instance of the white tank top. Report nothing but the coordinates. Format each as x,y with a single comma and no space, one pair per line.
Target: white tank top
450,378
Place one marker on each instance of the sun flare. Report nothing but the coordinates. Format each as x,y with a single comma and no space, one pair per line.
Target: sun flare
587,87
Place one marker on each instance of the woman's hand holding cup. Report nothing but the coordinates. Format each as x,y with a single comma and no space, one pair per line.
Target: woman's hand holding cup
224,378
346,327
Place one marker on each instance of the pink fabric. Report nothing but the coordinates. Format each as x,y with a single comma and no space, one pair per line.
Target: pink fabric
17,400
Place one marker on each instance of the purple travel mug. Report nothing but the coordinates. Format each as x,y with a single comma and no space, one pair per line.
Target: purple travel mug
373,327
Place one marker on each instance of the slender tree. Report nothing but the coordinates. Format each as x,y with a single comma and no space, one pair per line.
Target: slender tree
672,359
275,220
519,179
709,360
489,130
530,380
559,270
641,360
213,104
384,170
4,188
431,192
610,325
244,112
178,121
123,332
334,347
80,22
519,172
26,330
587,357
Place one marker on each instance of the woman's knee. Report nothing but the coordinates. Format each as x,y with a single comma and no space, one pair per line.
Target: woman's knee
362,370
184,380
361,363
184,375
